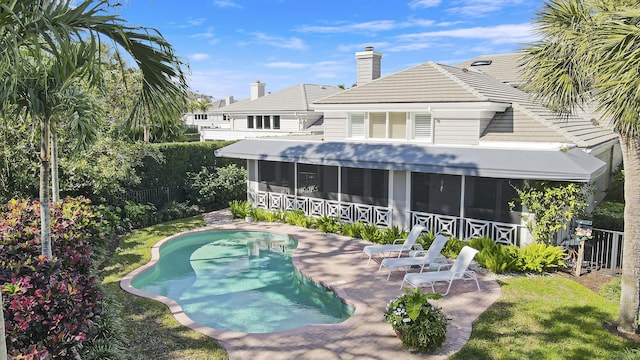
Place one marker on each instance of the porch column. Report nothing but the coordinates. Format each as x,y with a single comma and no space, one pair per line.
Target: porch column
461,229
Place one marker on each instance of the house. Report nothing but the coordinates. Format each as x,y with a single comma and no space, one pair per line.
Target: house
438,145
282,113
206,118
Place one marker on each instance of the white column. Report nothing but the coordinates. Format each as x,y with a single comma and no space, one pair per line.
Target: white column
461,230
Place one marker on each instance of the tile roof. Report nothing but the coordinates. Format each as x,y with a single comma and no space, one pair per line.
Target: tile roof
295,98
504,67
436,83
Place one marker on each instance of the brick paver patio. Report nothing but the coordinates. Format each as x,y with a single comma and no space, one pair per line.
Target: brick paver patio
334,261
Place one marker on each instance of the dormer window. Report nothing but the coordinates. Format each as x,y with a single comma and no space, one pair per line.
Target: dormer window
481,62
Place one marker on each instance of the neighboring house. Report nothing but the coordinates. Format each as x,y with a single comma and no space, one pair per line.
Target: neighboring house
286,112
437,145
206,118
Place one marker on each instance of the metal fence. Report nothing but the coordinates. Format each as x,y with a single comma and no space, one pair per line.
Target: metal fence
158,197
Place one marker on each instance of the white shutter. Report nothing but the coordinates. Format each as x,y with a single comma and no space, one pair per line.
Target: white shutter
422,126
357,125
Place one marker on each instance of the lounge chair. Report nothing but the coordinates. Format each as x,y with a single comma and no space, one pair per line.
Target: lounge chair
407,244
421,258
458,271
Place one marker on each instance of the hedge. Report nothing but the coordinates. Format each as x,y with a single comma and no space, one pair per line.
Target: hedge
180,159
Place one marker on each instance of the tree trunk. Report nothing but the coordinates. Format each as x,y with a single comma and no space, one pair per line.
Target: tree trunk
45,215
147,132
3,341
630,294
55,185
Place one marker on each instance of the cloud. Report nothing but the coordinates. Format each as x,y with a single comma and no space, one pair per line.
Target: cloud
408,47
196,22
287,65
417,4
365,27
198,56
227,4
280,42
204,35
499,34
479,8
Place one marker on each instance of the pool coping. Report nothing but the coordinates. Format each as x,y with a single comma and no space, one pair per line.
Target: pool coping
179,314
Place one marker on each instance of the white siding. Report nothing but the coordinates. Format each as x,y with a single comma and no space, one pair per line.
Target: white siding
335,126
456,131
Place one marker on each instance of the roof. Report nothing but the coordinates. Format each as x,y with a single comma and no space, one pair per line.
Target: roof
571,165
294,98
503,67
436,83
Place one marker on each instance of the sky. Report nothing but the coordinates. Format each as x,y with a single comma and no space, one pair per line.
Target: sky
229,44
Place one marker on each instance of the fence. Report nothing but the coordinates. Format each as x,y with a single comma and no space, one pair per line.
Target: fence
604,251
158,197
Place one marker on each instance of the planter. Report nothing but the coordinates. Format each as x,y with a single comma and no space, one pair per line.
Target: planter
248,219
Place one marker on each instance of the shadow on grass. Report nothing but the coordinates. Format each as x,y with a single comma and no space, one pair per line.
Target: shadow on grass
554,321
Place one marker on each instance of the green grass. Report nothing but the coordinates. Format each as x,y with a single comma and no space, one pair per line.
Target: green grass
152,331
546,318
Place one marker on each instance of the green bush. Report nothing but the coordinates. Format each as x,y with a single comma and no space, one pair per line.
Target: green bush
389,235
139,215
494,256
215,189
353,229
609,215
328,224
611,290
370,232
297,218
453,247
181,159
540,257
240,209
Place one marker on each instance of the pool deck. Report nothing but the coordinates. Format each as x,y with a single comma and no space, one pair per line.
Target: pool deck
336,262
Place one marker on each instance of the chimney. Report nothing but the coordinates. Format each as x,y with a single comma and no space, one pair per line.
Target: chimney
229,100
257,90
368,63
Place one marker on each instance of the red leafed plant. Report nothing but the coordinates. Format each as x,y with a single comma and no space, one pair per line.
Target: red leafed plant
49,305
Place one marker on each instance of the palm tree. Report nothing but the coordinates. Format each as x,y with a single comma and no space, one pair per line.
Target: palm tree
46,31
589,53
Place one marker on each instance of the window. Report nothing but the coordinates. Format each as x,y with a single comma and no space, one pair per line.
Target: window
267,123
200,116
435,193
422,126
276,121
398,125
365,186
250,122
356,125
488,199
258,121
378,125
318,181
276,177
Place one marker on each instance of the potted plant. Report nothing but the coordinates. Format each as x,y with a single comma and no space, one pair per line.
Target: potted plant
420,325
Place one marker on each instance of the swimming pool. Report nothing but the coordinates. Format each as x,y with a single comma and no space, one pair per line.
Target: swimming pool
241,281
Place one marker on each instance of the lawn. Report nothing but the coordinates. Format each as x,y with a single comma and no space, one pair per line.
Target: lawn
152,331
546,317
540,317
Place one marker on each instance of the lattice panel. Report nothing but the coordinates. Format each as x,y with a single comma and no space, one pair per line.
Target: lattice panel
332,209
262,200
505,234
382,217
446,224
289,203
316,207
363,213
476,228
275,201
346,213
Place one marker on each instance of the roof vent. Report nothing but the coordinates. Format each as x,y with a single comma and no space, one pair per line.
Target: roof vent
481,62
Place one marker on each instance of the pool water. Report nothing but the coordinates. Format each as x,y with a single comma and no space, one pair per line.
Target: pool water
240,281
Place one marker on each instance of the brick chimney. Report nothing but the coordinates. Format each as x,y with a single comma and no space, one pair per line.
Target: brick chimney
368,63
257,89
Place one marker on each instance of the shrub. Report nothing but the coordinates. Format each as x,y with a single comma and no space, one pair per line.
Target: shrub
370,232
453,247
298,218
240,209
215,189
609,215
494,256
178,210
420,325
389,235
540,257
139,215
352,229
328,224
611,290
49,305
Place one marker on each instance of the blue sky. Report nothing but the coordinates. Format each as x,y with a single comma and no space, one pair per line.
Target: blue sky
232,43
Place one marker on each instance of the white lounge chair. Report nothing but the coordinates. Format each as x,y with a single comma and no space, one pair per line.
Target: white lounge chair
407,244
458,271
420,258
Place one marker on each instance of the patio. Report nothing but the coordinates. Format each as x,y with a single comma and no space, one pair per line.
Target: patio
335,261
